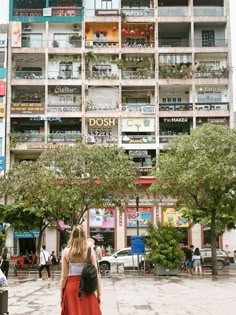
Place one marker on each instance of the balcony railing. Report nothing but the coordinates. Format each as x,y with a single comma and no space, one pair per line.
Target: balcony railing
208,11
65,43
28,12
101,75
178,42
101,139
138,139
63,137
173,11
91,106
28,75
212,106
67,11
138,44
30,42
64,75
175,107
144,108
26,137
102,44
138,75
210,43
62,108
138,12
212,74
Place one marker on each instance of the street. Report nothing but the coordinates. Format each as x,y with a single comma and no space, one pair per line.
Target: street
133,295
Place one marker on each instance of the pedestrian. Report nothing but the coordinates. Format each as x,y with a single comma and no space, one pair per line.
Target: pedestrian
73,260
189,261
53,258
44,262
197,261
5,262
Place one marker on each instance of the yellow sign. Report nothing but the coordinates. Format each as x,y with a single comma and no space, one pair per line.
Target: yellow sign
171,215
2,110
99,122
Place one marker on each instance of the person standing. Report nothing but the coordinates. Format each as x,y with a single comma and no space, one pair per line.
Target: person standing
53,258
5,262
44,262
189,261
197,261
74,257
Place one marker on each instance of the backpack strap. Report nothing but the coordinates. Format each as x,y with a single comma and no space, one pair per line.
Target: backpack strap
87,261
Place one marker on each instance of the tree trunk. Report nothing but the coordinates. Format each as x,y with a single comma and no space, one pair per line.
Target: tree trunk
213,242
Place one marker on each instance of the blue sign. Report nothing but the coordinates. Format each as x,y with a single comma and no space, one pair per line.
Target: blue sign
137,245
2,163
26,234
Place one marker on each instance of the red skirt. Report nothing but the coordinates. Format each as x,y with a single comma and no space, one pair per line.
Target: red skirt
72,305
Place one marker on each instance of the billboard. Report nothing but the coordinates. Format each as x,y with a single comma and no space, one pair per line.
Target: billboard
175,217
145,216
16,34
102,217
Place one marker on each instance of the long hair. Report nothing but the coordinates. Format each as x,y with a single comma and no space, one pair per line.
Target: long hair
78,241
197,252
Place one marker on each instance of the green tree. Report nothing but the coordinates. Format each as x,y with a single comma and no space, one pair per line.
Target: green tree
200,172
88,178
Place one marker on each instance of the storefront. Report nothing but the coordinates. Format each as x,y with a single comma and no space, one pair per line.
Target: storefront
25,241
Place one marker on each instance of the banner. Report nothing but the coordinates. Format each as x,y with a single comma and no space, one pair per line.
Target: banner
2,110
102,218
2,88
171,215
145,216
16,34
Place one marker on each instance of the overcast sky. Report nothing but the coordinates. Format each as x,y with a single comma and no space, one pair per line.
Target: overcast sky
4,18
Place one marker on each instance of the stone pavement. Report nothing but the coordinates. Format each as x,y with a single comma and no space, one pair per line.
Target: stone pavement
134,295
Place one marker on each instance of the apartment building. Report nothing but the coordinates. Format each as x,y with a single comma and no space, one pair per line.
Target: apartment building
135,73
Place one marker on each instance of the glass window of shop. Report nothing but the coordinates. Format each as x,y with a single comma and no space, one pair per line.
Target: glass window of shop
207,238
102,224
175,126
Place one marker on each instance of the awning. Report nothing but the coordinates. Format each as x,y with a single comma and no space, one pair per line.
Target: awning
26,234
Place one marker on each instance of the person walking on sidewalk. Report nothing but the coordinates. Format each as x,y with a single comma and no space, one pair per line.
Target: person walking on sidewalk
74,257
189,261
5,262
197,261
44,262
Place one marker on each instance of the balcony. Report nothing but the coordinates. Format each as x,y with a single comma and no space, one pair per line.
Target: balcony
210,43
137,12
212,106
142,108
73,42
28,12
176,107
212,74
101,139
173,11
26,137
91,106
208,11
140,74
32,42
102,44
138,139
63,137
64,75
28,75
175,71
138,44
100,75
169,42
62,108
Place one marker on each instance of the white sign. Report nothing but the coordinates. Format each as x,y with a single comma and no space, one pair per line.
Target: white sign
175,120
138,124
3,40
47,11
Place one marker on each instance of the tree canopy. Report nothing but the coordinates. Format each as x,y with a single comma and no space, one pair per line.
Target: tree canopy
200,172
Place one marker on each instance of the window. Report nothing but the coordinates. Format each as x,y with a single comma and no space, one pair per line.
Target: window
209,97
66,70
124,253
32,40
175,58
2,59
172,100
208,38
101,69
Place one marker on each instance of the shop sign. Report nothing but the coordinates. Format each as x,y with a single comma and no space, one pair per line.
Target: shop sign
106,12
3,40
27,108
15,34
102,122
171,215
65,90
145,216
102,217
33,146
43,118
2,88
2,110
138,153
216,121
175,120
2,163
27,234
211,89
138,124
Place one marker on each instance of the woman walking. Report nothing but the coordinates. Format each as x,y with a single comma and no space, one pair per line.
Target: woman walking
197,261
5,262
73,261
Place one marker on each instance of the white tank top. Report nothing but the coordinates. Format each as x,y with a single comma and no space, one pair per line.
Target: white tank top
75,269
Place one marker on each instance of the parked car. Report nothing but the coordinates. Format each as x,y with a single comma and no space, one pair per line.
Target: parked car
222,256
124,256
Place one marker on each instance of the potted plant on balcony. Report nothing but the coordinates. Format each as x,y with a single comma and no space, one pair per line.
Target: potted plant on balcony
55,44
120,63
75,40
165,253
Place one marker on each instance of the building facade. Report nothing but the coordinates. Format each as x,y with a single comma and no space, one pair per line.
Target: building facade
135,73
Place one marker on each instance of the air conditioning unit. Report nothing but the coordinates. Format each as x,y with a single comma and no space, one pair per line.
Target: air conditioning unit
90,139
124,108
88,44
76,27
26,27
148,110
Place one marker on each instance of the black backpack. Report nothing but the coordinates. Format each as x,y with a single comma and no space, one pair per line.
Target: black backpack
88,278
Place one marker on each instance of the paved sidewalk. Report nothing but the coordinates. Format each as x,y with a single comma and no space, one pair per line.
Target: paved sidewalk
134,296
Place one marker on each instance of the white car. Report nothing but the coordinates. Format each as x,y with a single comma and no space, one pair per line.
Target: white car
123,256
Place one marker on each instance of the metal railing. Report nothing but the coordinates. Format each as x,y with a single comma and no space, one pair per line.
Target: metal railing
64,75
101,139
102,44
210,43
212,106
138,107
208,11
173,11
90,106
28,12
32,75
178,42
56,11
30,42
138,12
63,137
27,137
211,74
139,74
138,44
65,43
175,107
101,75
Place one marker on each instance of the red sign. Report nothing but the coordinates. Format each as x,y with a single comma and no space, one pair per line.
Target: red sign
2,88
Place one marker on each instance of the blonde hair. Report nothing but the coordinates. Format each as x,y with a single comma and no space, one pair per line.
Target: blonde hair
78,241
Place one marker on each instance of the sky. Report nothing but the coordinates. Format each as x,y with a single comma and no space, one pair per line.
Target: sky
4,17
